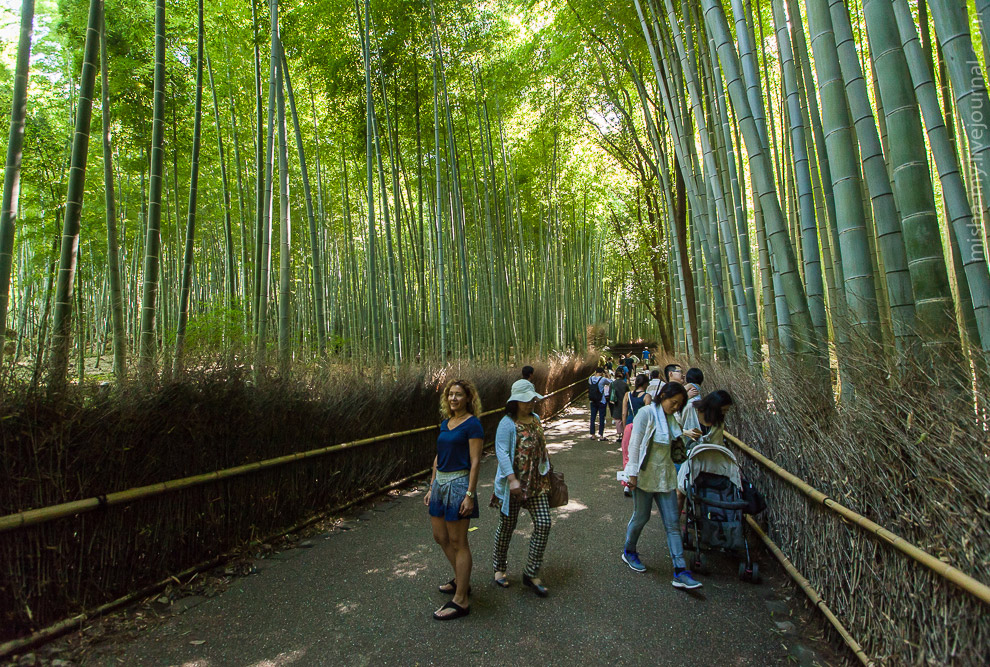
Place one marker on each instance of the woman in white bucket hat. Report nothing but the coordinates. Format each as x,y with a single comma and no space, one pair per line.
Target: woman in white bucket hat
521,482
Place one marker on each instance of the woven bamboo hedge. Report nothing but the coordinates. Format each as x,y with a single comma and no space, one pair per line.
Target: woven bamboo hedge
914,458
84,446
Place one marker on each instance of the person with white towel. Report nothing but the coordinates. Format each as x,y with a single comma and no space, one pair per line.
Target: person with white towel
655,444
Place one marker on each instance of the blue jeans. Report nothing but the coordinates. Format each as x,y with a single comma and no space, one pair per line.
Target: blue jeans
667,504
598,410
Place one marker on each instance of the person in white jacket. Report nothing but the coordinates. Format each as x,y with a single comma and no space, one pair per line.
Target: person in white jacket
651,474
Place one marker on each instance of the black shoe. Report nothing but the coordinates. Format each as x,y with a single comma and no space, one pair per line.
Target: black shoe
539,589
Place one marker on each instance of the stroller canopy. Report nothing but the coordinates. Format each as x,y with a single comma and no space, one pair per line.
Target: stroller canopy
714,459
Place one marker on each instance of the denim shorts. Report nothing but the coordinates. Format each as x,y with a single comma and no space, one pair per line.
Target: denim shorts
446,499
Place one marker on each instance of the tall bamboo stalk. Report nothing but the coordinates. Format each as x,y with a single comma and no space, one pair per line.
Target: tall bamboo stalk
113,251
912,181
230,272
152,252
12,165
187,258
954,196
319,298
62,322
856,263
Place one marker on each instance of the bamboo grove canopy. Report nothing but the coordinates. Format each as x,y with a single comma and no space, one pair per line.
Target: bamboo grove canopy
409,180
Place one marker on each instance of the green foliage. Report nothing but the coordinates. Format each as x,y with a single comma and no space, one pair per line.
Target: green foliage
215,327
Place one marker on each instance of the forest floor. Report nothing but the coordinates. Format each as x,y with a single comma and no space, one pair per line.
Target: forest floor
361,591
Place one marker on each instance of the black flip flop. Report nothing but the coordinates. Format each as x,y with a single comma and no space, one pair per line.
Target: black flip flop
458,612
452,582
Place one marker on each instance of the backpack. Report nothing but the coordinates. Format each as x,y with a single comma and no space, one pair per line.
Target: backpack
617,396
595,391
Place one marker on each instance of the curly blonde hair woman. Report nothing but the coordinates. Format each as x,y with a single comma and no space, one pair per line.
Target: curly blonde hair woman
451,498
473,404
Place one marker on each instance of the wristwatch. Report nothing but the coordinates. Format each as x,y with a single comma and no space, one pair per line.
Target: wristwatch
469,494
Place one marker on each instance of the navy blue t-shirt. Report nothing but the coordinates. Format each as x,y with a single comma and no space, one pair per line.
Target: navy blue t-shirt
453,449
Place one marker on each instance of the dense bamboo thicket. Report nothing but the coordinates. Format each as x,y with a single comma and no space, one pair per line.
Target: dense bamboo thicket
741,179
744,180
783,187
434,218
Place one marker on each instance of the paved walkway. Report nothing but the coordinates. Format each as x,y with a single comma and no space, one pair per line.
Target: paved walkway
364,596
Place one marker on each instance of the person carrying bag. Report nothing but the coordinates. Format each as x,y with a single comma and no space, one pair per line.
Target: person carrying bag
524,480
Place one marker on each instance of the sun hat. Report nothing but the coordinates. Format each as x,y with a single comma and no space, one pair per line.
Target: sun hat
523,391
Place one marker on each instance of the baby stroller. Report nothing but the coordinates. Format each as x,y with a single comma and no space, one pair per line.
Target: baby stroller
716,499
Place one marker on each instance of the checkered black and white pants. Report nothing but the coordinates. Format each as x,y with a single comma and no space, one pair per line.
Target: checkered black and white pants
539,509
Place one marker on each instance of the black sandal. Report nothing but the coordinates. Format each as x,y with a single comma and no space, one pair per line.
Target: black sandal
450,591
458,612
539,589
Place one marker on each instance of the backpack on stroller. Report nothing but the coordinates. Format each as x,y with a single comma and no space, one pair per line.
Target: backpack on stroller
717,497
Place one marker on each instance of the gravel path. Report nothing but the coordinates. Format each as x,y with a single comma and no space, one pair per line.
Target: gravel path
363,595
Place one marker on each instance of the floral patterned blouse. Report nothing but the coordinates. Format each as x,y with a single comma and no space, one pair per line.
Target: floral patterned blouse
531,450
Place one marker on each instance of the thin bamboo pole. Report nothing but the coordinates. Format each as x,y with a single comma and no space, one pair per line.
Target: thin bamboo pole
812,594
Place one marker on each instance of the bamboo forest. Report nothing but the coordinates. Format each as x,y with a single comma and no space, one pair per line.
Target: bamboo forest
259,233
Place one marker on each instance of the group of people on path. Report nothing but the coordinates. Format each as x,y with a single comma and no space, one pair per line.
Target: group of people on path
656,422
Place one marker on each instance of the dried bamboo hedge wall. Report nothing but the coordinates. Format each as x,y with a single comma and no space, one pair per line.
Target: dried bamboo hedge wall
80,447
914,458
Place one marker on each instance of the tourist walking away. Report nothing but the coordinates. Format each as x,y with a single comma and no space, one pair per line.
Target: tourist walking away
654,387
630,364
522,481
633,403
655,443
451,497
597,398
646,355
617,397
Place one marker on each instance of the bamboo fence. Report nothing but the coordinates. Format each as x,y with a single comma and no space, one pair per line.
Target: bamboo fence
967,583
68,624
69,557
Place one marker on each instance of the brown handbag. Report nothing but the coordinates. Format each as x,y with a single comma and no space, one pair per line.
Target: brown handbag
558,489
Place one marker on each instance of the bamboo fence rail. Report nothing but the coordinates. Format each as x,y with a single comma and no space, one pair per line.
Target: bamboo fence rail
53,512
811,593
958,577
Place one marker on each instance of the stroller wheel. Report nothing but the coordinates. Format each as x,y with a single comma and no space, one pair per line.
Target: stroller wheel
742,572
755,575
699,563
